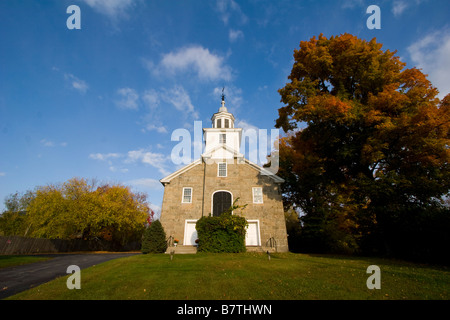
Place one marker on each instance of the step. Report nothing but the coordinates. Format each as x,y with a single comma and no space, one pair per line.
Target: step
182,250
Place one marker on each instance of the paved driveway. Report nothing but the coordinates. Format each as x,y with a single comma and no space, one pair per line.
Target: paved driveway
19,278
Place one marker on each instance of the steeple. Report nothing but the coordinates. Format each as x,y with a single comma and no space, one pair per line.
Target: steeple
223,108
222,118
223,140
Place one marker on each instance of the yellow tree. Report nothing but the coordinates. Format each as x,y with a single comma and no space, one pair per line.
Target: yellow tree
79,209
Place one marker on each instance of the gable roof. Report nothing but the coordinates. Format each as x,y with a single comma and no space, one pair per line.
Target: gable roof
180,171
261,170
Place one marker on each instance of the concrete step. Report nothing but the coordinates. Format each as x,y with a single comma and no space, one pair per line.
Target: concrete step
182,250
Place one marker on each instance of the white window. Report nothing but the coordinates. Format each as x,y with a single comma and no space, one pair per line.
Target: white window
227,123
223,138
257,195
222,168
219,123
187,195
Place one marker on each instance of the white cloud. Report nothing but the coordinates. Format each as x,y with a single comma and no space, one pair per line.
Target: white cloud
140,156
2,174
177,97
180,99
235,35
151,98
206,65
129,99
352,3
76,83
158,127
233,97
145,182
156,160
227,8
104,156
49,143
432,55
111,8
398,7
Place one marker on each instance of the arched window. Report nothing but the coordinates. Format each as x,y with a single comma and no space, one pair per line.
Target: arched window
221,202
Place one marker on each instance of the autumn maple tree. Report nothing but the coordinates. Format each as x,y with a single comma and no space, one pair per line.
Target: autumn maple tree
366,145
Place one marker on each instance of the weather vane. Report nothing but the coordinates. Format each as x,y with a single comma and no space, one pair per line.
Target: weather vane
223,94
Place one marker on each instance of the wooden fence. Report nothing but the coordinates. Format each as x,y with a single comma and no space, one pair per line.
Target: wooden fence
22,245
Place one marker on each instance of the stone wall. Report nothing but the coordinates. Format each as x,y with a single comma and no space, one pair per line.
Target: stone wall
239,181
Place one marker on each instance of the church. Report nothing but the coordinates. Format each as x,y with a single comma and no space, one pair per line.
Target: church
210,185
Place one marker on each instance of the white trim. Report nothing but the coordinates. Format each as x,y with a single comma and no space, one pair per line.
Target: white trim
258,233
180,171
185,227
218,169
212,199
182,194
253,194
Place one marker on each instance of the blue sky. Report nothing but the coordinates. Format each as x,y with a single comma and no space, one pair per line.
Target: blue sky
102,102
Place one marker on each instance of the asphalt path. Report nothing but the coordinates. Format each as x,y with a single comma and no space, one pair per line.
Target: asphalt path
19,278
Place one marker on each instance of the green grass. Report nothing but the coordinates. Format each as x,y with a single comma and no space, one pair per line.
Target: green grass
13,260
248,276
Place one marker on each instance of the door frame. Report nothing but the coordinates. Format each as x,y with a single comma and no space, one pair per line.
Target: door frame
212,200
185,229
258,235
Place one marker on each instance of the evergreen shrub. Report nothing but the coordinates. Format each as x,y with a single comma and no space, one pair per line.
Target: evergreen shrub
154,240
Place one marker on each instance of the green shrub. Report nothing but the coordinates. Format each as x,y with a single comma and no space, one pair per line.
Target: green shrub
154,239
225,233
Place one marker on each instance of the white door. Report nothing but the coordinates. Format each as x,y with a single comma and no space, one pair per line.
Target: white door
190,233
252,235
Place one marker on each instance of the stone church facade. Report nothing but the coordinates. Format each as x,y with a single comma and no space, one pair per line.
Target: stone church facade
212,183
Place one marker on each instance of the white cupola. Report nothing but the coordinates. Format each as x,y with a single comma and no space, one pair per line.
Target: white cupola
223,140
222,119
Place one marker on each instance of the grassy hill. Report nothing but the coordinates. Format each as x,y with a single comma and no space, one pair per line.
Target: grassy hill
249,276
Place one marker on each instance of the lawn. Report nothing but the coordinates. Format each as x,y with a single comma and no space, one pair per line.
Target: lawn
249,276
16,260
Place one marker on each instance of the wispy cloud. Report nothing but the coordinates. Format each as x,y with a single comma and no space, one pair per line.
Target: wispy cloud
235,35
76,83
156,160
2,174
145,182
117,162
129,99
233,96
432,54
229,8
180,99
112,8
196,59
398,7
352,4
104,156
158,100
108,158
49,143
